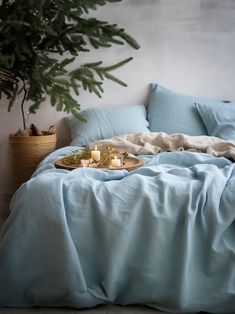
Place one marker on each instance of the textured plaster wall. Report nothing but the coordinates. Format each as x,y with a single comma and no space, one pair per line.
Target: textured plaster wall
187,45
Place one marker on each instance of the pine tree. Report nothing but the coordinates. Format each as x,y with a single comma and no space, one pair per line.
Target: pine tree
32,36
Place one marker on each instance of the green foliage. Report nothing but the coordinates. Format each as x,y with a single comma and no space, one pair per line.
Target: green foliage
40,39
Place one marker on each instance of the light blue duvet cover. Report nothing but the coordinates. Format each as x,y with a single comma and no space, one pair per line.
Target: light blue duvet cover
162,235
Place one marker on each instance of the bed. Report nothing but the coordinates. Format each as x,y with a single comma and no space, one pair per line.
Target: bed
162,235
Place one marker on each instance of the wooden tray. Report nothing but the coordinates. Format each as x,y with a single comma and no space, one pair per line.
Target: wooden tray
130,163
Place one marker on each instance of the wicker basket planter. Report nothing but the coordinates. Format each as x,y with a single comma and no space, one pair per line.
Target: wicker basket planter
27,152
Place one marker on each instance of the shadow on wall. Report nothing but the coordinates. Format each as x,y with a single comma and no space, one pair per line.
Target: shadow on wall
4,210
139,2
63,134
213,5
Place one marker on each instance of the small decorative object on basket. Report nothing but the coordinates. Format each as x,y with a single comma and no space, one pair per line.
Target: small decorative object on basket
106,158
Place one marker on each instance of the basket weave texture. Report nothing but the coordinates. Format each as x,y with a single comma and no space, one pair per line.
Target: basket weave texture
27,153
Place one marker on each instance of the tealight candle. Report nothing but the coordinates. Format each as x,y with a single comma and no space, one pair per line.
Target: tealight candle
116,162
95,154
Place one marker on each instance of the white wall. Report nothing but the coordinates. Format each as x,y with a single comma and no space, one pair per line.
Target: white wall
187,45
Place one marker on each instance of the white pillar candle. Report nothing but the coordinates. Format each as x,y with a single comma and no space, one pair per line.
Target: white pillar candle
95,154
116,162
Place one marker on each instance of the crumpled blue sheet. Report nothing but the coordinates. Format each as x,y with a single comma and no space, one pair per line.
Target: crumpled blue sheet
162,235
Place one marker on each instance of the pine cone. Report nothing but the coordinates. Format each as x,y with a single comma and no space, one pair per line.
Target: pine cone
34,130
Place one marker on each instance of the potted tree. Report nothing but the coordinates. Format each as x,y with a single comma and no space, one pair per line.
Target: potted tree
39,42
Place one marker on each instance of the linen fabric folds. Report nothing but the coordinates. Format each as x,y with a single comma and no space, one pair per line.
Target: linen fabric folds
161,235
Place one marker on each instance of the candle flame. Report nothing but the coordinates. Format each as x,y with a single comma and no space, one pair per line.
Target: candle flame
95,147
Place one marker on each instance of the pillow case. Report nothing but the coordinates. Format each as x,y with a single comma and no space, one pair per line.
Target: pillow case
103,123
219,119
171,112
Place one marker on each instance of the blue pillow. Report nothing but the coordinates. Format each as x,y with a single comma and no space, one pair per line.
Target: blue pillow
219,119
103,123
171,112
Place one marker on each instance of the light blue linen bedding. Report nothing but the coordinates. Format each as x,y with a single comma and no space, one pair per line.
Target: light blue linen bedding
162,235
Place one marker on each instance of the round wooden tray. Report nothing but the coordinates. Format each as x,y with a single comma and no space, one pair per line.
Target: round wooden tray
130,163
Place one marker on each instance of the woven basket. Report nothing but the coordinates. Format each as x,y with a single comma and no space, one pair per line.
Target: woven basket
27,152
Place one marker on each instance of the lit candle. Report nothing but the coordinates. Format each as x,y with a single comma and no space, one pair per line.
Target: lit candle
116,162
95,154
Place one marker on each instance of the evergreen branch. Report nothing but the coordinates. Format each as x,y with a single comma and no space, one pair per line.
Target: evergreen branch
87,5
93,64
130,40
115,79
86,75
117,65
32,34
